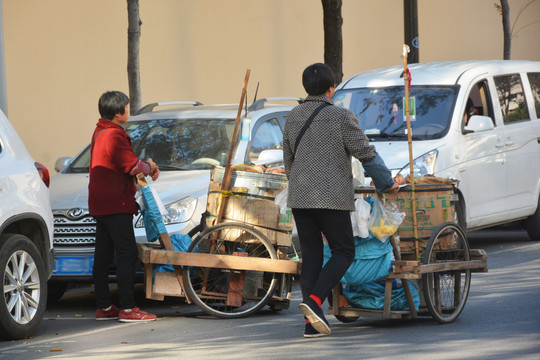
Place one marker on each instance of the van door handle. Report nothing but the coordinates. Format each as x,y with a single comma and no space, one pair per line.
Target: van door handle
499,145
509,142
538,140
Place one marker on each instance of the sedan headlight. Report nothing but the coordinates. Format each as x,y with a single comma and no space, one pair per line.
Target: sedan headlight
178,212
423,165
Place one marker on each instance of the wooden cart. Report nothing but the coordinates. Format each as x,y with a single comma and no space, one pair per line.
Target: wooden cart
238,265
438,258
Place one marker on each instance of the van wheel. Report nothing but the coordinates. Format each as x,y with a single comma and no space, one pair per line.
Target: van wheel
533,224
460,208
24,287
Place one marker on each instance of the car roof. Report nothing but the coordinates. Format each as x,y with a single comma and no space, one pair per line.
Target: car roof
436,73
196,110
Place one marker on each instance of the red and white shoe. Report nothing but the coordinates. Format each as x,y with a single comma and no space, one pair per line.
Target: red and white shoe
135,315
111,314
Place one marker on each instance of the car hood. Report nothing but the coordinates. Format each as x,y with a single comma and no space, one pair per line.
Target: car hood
71,190
396,153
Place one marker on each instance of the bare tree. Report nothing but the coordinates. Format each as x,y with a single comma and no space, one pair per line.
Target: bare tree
134,34
333,40
508,28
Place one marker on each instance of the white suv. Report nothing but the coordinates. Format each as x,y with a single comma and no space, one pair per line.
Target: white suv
26,230
474,121
186,142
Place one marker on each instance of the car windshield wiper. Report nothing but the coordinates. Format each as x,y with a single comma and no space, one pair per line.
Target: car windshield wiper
169,167
393,136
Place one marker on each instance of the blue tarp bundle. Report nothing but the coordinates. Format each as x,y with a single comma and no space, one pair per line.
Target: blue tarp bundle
153,222
372,260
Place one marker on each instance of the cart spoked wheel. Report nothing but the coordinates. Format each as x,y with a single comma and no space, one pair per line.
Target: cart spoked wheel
225,292
445,292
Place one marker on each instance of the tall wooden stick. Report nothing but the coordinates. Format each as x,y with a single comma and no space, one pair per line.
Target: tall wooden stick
406,76
227,173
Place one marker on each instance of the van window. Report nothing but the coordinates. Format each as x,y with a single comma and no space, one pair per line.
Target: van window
478,102
511,98
534,80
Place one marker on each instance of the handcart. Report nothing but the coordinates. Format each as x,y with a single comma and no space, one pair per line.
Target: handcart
438,258
235,267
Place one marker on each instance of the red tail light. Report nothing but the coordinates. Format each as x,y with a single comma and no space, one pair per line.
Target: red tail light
43,173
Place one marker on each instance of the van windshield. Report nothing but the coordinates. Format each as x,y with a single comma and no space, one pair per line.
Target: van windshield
174,144
381,115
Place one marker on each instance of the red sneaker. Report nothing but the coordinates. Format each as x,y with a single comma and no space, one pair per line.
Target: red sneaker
135,315
111,314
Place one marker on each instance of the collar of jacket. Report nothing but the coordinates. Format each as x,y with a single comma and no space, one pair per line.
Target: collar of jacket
319,98
108,124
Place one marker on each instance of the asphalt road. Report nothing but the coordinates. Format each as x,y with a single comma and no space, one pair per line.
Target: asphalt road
501,320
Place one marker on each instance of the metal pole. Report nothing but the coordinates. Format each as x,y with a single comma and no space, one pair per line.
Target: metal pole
410,12
3,87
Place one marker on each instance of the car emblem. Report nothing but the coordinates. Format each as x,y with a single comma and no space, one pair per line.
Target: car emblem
75,214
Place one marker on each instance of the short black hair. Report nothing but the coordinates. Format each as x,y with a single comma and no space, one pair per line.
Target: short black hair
318,78
111,103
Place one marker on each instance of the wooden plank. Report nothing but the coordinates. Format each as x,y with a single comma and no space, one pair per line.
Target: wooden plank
449,266
404,276
222,261
377,314
387,298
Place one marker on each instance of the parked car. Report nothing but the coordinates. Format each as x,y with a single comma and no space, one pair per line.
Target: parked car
26,232
186,141
476,121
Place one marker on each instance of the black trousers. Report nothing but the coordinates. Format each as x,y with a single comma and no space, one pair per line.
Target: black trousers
114,233
336,227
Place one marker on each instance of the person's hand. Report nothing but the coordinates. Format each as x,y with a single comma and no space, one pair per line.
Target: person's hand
394,189
154,170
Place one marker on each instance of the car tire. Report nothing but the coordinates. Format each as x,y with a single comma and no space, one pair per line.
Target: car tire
24,287
533,224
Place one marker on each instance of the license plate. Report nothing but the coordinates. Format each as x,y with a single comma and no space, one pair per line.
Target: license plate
73,265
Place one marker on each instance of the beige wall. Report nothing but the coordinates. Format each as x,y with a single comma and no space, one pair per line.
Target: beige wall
62,54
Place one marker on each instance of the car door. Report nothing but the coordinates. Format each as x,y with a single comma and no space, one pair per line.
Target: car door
482,165
521,134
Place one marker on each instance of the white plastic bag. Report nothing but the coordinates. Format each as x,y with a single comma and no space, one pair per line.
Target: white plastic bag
281,200
359,218
140,201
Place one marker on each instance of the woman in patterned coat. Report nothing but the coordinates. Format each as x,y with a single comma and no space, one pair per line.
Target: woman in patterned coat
321,193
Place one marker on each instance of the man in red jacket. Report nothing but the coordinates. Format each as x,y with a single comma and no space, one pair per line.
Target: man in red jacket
111,201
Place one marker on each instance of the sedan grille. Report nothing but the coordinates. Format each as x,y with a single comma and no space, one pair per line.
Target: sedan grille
70,230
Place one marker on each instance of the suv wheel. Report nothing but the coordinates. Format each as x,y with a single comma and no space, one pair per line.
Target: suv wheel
533,224
24,287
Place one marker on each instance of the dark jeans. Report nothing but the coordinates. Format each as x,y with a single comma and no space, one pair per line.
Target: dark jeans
336,227
114,233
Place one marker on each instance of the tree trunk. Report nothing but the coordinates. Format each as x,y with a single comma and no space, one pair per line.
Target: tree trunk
333,40
507,29
134,34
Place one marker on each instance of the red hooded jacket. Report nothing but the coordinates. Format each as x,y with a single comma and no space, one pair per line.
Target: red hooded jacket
111,189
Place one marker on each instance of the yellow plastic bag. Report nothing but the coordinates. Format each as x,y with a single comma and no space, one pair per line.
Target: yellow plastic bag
384,219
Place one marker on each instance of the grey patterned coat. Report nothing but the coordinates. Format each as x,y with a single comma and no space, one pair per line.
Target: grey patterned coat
320,173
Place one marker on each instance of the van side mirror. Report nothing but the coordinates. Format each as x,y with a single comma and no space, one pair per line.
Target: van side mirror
478,123
61,163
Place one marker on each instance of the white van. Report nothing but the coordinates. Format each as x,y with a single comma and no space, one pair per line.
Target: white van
477,122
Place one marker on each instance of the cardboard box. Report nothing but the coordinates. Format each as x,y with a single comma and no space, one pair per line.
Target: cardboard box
252,205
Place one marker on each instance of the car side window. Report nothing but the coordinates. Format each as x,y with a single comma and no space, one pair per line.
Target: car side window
478,102
267,136
511,98
534,80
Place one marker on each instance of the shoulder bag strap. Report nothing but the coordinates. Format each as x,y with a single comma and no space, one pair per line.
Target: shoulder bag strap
307,124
